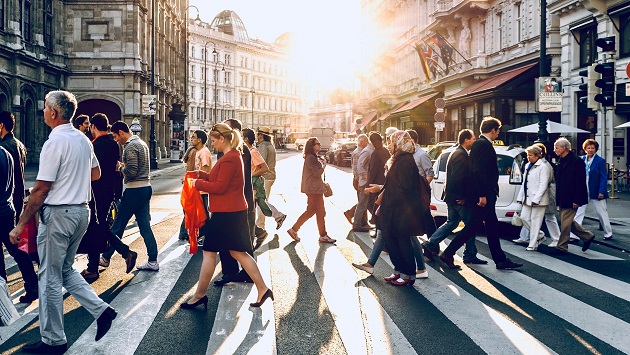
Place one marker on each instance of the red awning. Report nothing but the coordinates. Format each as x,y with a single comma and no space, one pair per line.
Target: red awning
386,114
367,118
417,102
492,83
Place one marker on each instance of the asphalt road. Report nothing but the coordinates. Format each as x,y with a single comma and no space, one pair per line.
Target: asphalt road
577,303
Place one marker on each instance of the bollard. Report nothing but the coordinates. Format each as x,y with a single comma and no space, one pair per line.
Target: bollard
612,183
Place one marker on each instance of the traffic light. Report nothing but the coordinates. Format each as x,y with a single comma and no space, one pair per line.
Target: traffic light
606,83
590,87
607,44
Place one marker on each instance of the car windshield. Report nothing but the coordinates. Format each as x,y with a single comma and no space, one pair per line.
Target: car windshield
505,164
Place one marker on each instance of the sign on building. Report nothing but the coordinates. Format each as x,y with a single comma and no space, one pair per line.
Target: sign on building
549,94
149,105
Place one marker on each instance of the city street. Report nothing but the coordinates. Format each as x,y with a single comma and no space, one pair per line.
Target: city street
578,303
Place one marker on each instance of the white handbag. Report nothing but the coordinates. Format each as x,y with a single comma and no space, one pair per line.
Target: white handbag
516,220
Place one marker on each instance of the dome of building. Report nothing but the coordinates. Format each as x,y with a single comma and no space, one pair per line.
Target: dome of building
285,40
230,23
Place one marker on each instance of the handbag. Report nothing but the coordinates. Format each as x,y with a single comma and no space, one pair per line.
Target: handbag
516,220
327,189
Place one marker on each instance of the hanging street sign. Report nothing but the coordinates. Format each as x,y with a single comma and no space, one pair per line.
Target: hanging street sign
439,117
149,105
440,103
439,126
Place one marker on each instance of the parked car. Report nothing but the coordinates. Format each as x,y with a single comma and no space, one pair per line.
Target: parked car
510,160
435,151
341,154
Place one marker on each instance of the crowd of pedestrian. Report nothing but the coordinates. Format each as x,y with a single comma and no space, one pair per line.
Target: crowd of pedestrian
89,168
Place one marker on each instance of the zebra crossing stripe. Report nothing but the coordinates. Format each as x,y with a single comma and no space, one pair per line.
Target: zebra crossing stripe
138,304
498,335
237,327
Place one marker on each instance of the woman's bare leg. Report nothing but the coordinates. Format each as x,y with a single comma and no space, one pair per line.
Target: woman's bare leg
250,266
205,275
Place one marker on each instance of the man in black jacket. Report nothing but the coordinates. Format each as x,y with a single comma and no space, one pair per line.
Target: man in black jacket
17,150
107,154
485,177
571,193
460,198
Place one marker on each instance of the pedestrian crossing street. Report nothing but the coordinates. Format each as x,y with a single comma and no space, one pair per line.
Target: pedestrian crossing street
573,304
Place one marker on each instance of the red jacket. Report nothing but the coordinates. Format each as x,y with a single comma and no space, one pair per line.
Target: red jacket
224,184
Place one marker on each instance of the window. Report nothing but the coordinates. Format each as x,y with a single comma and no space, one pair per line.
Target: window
28,29
588,50
192,71
499,30
624,35
192,51
1,15
216,75
226,77
48,19
192,92
520,22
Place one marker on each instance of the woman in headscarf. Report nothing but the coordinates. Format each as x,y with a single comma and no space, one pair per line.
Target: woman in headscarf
404,201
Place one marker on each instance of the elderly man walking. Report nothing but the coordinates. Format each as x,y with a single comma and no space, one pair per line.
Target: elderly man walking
571,193
61,194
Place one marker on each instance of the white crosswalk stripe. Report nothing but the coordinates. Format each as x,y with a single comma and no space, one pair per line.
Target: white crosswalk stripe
358,311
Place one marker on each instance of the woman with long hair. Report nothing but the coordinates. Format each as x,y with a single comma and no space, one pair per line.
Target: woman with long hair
404,200
227,228
313,187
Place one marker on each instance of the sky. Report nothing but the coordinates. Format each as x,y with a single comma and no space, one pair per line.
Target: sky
328,31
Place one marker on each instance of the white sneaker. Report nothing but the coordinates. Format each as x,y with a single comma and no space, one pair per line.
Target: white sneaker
553,244
422,275
149,266
520,241
364,267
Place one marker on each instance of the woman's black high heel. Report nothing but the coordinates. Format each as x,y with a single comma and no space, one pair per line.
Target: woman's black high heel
203,300
268,294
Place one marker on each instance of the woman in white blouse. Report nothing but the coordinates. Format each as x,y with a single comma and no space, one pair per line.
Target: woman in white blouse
534,195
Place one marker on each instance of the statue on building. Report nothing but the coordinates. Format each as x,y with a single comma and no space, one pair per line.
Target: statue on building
464,39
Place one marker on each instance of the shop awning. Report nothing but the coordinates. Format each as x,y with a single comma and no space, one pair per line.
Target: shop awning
386,114
417,102
492,83
367,118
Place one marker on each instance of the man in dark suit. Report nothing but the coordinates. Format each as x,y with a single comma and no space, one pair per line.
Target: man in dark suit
571,193
485,177
460,198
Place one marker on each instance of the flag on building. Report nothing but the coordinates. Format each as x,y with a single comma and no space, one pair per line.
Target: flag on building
428,60
446,50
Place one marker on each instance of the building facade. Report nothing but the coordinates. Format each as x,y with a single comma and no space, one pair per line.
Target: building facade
234,76
99,51
482,58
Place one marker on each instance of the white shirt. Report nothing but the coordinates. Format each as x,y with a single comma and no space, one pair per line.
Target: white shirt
66,160
423,162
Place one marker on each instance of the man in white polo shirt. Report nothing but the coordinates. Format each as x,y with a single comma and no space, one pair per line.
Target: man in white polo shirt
61,193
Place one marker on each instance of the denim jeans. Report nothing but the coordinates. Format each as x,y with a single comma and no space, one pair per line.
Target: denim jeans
456,213
379,243
135,201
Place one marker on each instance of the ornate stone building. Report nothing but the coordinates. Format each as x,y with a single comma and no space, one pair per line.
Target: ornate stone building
241,70
99,51
482,58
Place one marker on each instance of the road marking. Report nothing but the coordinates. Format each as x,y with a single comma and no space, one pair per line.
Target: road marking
138,304
498,335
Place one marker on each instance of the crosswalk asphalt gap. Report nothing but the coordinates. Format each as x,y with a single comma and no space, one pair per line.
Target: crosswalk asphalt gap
571,304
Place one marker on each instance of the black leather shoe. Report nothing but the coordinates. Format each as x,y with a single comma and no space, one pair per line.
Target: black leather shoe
29,297
243,277
449,261
225,279
508,265
428,253
260,239
104,322
587,243
42,348
130,261
476,261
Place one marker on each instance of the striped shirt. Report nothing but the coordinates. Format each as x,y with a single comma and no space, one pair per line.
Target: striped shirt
136,159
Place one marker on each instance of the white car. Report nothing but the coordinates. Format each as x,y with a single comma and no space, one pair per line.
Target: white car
510,160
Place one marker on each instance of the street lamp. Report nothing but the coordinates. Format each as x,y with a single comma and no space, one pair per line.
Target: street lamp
153,163
187,35
205,77
215,73
252,91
